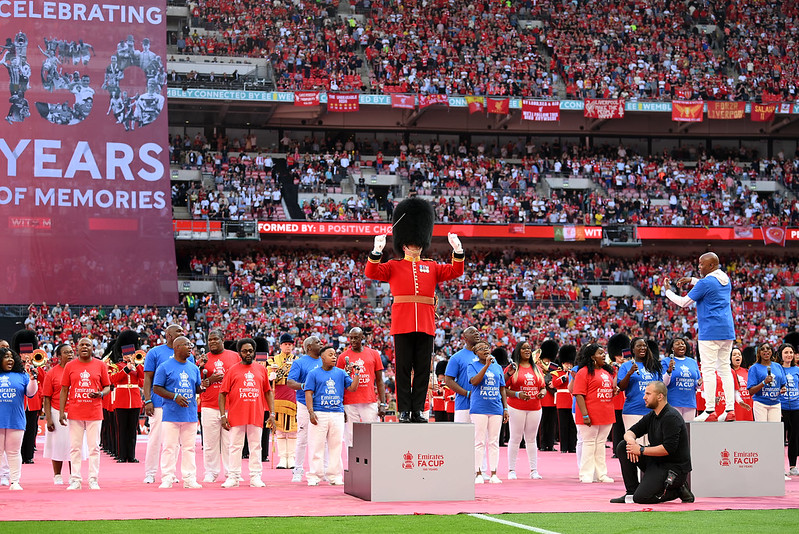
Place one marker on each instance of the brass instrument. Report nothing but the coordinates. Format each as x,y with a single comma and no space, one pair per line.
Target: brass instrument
138,357
39,358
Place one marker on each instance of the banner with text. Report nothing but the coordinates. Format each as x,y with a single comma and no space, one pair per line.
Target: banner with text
603,109
343,102
499,106
429,100
541,111
687,110
726,110
85,200
403,101
306,98
763,112
476,104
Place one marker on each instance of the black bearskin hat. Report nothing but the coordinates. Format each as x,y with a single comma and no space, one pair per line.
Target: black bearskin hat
125,338
413,224
617,344
441,367
654,348
792,339
549,350
24,337
500,356
261,345
748,356
567,354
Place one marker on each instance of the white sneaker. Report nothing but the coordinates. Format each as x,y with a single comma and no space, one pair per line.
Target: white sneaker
511,475
58,480
535,476
231,482
702,416
93,484
787,477
606,479
337,482
74,485
209,478
479,479
191,484
149,479
312,482
165,484
4,481
15,487
297,477
794,472
494,480
256,482
283,463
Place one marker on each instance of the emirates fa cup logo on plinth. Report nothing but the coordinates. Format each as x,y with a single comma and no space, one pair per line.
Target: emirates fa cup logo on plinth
407,460
725,458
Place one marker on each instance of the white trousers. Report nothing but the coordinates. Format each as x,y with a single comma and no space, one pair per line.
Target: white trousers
183,435
237,433
592,460
56,443
523,423
766,413
486,437
462,416
155,441
358,413
91,431
688,413
216,443
303,422
11,444
629,420
328,430
715,356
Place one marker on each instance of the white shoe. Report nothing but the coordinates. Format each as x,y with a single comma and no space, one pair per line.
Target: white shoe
93,484
149,479
256,482
15,487
702,416
511,475
479,479
535,476
494,480
794,472
58,480
191,484
283,463
313,482
297,477
787,477
4,481
74,485
165,484
209,478
231,482
606,479
336,482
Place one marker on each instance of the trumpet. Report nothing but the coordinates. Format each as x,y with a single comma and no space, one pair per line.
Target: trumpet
138,357
39,358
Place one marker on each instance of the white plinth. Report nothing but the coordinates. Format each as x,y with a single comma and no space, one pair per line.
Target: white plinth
411,462
740,459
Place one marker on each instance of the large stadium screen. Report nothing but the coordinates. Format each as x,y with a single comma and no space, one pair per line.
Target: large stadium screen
85,207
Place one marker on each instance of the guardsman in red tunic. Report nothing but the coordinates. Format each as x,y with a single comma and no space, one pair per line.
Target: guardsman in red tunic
128,379
413,282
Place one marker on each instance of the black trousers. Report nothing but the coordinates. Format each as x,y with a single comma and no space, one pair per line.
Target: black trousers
548,429
29,437
617,430
413,352
652,488
265,439
108,433
790,419
567,430
127,422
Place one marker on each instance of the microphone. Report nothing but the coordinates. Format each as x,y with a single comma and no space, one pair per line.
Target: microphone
205,373
768,371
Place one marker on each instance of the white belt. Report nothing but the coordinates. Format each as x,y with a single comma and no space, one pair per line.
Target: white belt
127,386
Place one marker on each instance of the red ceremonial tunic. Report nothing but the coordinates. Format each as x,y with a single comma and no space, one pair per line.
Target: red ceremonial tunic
409,278
127,387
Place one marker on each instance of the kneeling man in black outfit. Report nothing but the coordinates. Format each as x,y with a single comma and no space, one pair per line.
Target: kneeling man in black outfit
665,462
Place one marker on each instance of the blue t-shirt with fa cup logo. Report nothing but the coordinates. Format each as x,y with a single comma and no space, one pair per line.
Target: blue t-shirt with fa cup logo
183,379
486,397
328,388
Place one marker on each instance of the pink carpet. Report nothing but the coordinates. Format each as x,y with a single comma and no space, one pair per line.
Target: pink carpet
124,496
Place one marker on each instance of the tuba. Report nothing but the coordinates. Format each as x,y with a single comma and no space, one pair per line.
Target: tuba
39,358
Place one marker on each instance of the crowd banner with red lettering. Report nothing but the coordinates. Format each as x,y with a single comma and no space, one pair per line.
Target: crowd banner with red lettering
429,100
476,104
85,197
603,109
345,102
540,110
306,98
774,235
403,101
499,106
763,112
726,110
687,110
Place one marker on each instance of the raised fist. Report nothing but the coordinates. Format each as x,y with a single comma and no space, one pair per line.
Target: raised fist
455,243
380,243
